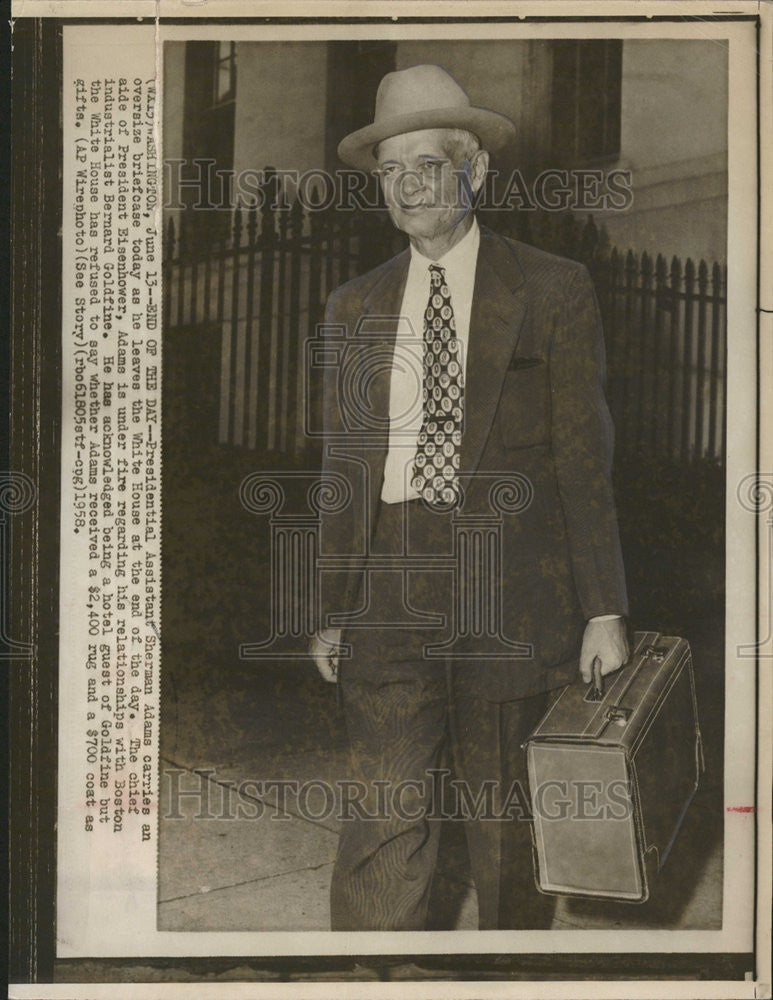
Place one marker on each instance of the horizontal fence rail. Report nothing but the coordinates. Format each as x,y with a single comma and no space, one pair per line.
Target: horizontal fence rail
241,304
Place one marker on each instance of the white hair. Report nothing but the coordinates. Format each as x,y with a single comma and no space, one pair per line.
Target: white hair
459,144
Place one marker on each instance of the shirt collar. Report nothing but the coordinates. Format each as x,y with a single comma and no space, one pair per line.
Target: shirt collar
461,258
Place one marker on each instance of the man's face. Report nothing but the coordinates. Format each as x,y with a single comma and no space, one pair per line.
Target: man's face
427,194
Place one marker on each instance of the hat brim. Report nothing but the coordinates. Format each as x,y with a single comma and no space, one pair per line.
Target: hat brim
493,130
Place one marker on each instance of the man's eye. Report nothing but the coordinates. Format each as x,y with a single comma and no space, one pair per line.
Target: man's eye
433,165
388,171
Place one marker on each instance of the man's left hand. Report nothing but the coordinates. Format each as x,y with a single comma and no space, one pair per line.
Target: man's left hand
607,640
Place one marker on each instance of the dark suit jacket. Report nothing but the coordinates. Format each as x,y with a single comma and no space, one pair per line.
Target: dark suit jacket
534,405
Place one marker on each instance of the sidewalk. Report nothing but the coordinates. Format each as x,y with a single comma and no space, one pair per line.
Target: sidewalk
259,723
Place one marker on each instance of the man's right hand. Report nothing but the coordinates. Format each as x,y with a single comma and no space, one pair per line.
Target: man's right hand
325,650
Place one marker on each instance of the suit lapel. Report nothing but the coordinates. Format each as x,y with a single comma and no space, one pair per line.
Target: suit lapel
498,310
381,310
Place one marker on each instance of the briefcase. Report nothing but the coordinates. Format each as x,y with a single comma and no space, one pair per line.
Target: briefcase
612,772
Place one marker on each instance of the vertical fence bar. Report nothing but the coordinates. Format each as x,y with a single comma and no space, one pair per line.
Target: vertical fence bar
700,372
661,375
644,355
701,431
629,349
237,332
687,359
316,237
277,431
614,338
193,305
169,271
249,322
330,251
589,242
342,242
207,284
181,279
714,375
289,412
224,425
674,414
311,388
267,250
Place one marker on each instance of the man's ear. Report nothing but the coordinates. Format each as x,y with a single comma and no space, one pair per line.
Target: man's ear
478,169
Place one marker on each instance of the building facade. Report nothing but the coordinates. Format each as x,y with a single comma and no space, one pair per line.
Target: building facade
653,113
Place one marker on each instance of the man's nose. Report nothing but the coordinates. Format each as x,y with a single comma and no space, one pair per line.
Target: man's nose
409,183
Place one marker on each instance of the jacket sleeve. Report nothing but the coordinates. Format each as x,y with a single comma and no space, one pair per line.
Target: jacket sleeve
582,441
341,528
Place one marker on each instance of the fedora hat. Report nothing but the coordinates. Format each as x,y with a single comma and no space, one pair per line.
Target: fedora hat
422,97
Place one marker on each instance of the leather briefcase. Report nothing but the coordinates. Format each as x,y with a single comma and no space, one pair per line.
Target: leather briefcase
611,774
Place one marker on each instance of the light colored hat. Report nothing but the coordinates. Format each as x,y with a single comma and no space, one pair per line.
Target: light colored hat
421,97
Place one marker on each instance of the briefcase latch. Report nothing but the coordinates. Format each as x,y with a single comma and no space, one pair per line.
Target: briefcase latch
618,714
656,653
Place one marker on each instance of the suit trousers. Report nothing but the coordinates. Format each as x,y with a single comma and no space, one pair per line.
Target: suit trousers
411,718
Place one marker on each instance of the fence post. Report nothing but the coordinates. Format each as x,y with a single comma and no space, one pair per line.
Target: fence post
226,350
661,375
295,353
237,341
265,359
316,235
716,291
674,415
181,283
249,332
701,373
687,362
169,268
279,353
645,375
629,349
612,335
589,241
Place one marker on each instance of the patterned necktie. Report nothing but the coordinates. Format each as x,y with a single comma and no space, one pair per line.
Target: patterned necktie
436,466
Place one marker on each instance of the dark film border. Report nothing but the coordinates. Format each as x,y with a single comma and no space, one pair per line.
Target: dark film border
35,217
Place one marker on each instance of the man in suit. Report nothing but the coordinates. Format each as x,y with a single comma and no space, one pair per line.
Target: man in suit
475,363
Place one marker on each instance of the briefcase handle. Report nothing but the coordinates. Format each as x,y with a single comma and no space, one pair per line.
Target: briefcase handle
596,692
596,686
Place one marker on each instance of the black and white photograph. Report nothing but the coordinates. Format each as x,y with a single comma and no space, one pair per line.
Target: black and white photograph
407,610
320,195
328,192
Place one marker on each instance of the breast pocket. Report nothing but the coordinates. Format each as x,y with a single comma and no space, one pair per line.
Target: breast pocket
524,408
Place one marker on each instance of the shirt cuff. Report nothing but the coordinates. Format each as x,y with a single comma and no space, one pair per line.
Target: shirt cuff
604,618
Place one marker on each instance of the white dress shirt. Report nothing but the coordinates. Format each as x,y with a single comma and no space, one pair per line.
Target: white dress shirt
407,380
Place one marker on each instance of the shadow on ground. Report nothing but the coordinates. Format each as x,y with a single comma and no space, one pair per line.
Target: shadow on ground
247,721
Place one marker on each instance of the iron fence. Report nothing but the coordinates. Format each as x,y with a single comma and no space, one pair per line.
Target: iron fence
240,308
